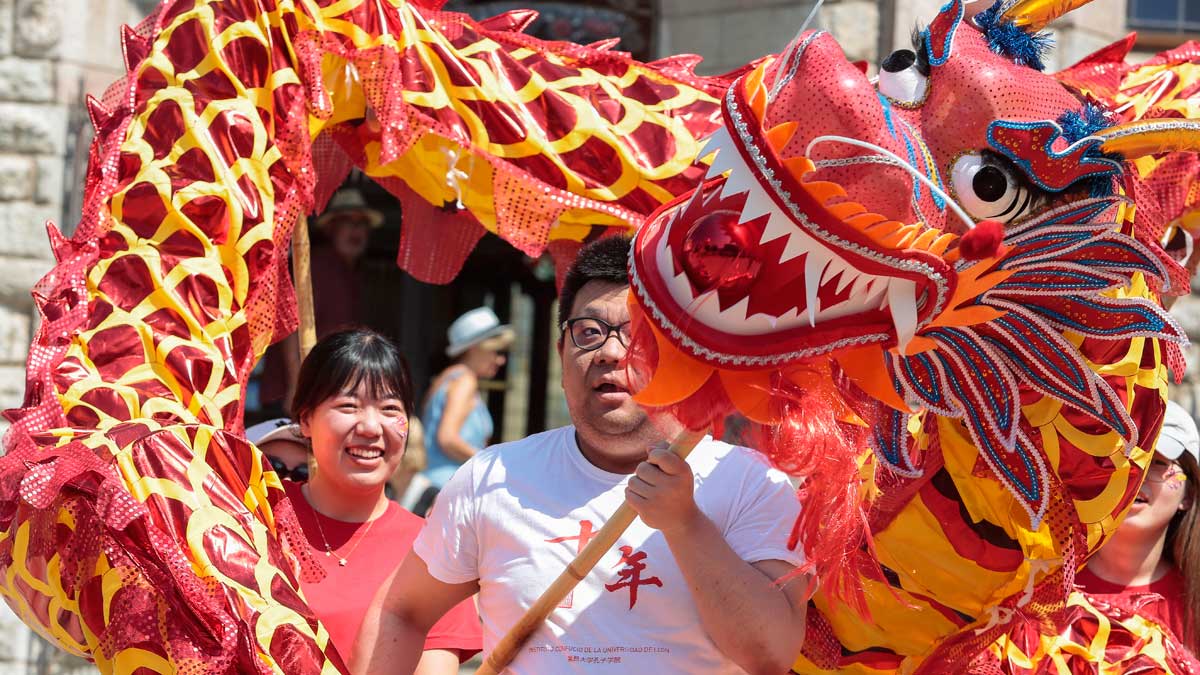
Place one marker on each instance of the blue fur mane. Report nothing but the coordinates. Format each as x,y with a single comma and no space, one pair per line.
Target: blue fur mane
1077,126
1026,48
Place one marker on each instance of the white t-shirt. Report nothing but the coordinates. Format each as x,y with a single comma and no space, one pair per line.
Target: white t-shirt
514,516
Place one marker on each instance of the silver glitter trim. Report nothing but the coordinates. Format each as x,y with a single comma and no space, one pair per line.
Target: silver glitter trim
1145,127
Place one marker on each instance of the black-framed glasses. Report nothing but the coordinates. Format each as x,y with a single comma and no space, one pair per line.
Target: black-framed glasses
299,474
589,333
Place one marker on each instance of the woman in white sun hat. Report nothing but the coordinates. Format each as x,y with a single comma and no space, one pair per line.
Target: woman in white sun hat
457,421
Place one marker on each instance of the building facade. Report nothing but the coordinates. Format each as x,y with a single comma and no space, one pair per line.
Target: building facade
54,52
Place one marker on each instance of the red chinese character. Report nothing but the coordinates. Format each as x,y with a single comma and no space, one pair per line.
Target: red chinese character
586,534
631,576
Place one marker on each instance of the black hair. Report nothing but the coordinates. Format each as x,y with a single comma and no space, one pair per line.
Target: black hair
605,260
344,360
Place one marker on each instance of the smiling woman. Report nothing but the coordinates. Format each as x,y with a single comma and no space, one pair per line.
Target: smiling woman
352,401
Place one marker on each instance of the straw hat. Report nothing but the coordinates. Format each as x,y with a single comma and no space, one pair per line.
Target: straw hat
476,327
345,202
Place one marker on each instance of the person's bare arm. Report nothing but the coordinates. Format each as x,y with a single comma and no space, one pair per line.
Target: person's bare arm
393,631
437,662
754,621
460,399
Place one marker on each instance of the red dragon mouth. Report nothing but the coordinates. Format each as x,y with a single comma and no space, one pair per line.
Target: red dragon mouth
745,258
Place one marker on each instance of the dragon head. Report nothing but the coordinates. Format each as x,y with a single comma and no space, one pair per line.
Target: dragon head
859,211
948,254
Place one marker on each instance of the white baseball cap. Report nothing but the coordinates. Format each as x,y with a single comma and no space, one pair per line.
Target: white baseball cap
1179,434
276,429
474,327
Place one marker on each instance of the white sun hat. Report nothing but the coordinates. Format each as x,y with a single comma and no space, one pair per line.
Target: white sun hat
474,327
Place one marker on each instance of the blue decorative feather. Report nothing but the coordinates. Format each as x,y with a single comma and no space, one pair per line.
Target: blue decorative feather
1026,48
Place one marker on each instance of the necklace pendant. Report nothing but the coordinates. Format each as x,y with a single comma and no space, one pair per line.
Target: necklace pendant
342,562
328,553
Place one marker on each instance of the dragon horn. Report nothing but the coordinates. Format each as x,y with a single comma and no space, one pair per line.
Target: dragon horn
1149,137
1034,15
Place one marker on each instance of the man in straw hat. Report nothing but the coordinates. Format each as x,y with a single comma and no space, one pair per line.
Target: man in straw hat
700,584
337,284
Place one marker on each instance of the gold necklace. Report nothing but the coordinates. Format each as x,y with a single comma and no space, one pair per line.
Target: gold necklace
342,561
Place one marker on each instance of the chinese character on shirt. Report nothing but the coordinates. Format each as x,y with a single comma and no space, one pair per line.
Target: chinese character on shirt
631,576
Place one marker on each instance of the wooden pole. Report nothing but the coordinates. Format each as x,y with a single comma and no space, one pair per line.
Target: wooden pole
506,650
302,271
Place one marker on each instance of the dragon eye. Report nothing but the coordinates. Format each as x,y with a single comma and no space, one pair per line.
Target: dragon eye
989,187
903,77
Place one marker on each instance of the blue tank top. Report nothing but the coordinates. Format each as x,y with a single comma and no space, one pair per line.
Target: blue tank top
476,430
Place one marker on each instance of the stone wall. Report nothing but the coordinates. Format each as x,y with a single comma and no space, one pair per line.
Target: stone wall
52,52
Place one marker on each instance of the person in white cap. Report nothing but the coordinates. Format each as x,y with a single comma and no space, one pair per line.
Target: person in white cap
455,415
284,446
1151,565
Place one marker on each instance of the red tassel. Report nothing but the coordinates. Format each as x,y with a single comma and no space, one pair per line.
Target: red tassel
982,241
812,445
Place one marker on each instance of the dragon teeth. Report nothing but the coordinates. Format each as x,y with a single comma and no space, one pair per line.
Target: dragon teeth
902,302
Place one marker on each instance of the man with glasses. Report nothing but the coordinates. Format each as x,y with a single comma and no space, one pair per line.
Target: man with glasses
702,583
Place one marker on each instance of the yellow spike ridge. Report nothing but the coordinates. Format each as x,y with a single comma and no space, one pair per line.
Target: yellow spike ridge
1037,14
779,135
754,80
926,239
943,242
756,94
910,233
798,166
1150,137
823,191
865,221
844,210
884,229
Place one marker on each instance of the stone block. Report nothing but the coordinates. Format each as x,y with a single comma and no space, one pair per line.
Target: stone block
23,231
26,80
16,178
693,35
48,179
20,274
1072,45
693,8
1105,18
1186,311
856,27
14,645
6,26
39,25
34,128
752,33
15,327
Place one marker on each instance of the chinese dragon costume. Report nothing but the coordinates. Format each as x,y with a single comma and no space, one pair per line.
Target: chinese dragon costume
956,267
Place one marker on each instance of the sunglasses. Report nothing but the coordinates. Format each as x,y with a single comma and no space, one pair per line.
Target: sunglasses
296,475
